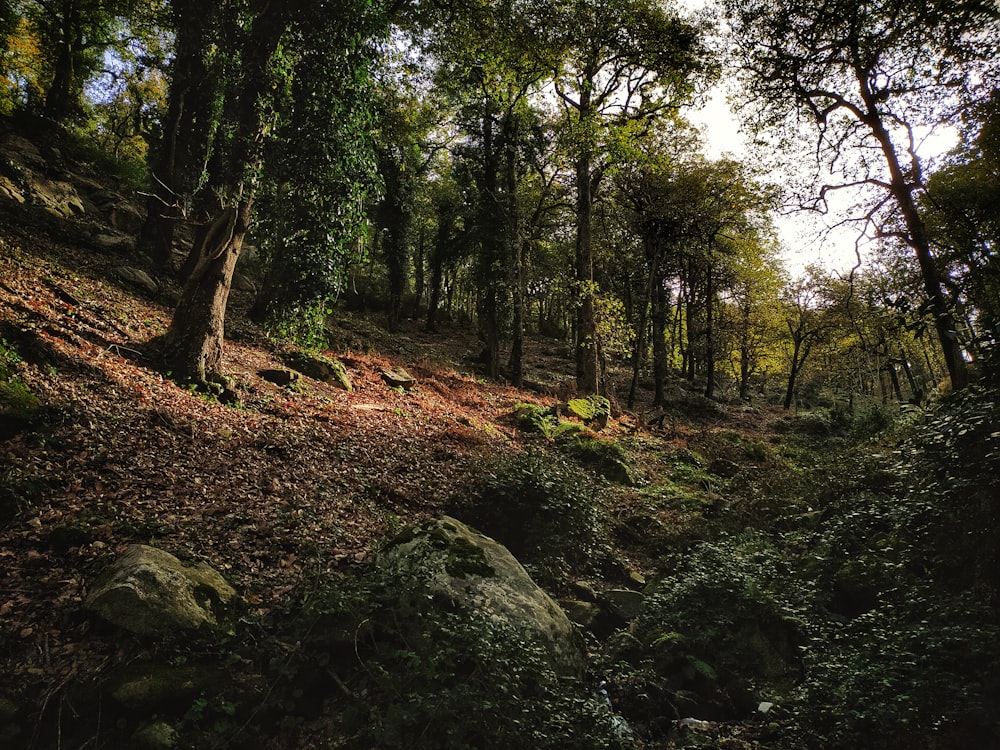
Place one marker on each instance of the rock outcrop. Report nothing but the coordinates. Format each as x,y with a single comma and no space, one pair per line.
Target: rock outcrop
445,563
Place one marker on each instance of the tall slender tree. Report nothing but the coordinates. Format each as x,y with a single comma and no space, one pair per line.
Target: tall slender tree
628,62
263,43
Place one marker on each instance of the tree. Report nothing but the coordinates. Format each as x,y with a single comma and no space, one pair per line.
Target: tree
75,34
870,77
752,307
262,45
494,60
807,321
178,162
629,61
693,217
319,175
962,204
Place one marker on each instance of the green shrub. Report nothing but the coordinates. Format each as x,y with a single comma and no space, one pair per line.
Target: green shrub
716,635
608,458
476,684
900,674
541,507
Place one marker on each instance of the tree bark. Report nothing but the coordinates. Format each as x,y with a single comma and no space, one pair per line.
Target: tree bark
902,190
709,333
660,368
178,161
192,345
586,328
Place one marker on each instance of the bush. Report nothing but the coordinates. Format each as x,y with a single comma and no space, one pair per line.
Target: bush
542,508
471,682
724,622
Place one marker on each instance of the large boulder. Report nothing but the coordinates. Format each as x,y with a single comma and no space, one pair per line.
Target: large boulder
150,592
445,564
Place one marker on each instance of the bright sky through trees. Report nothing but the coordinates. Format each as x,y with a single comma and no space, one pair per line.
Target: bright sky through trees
807,238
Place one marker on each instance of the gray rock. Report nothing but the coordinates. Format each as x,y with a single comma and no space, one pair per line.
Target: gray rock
55,196
397,377
150,592
624,604
118,243
449,562
137,277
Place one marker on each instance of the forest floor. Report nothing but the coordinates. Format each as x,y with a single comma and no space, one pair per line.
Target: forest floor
277,490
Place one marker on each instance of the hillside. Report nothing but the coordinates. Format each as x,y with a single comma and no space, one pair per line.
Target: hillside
294,487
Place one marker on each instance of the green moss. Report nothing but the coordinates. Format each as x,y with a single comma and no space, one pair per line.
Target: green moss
16,400
467,559
532,418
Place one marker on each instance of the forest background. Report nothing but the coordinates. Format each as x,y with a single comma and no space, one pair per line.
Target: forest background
529,170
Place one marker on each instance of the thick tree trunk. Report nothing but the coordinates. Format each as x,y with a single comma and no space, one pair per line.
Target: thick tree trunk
192,346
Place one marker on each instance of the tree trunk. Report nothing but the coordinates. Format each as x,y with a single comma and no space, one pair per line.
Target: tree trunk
660,368
492,247
793,372
514,249
177,163
903,192
586,328
709,334
192,346
639,353
63,97
418,272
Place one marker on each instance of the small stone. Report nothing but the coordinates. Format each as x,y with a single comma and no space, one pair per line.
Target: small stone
397,377
584,591
156,736
283,378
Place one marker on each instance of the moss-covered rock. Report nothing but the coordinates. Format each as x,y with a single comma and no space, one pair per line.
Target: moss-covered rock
445,563
320,367
150,688
593,410
150,592
606,457
156,736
